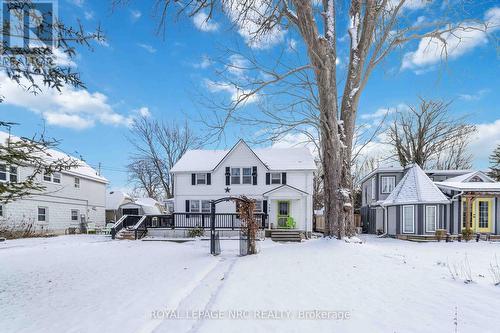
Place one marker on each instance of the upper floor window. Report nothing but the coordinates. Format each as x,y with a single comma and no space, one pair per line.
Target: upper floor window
275,178
387,184
54,177
77,182
247,176
201,178
8,173
235,176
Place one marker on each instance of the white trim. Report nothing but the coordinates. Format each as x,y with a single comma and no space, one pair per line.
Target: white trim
382,184
403,219
204,174
46,214
374,188
435,218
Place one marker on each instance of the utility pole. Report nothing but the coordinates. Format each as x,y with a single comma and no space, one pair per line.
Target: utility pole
99,169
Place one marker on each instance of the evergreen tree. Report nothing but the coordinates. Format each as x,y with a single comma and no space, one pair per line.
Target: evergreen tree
33,155
495,164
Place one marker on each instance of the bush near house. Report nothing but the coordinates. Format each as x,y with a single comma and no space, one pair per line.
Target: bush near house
467,234
197,232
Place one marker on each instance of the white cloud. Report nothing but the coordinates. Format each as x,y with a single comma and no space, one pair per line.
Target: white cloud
236,92
62,59
135,14
238,65
147,47
203,23
474,97
72,107
485,140
143,112
431,51
205,62
382,112
89,15
409,4
292,45
78,3
250,25
291,140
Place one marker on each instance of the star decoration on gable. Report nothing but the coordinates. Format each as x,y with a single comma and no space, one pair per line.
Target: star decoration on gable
227,189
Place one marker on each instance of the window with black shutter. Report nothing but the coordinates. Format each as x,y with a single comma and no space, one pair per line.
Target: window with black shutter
228,176
193,179
283,178
209,179
254,175
268,178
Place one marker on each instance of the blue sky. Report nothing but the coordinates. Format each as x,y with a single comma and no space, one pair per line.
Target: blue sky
138,71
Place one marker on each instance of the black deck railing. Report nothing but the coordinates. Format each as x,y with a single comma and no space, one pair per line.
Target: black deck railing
201,220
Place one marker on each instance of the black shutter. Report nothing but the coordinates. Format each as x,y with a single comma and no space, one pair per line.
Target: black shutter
268,178
209,179
193,179
187,206
254,174
283,178
264,206
228,176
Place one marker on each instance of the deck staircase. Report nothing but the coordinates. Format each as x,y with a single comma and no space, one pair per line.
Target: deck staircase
285,235
125,233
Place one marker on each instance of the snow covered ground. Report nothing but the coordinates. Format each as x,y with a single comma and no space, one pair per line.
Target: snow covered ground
92,284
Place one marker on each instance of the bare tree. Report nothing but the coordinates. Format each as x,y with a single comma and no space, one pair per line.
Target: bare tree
376,28
142,173
430,136
160,145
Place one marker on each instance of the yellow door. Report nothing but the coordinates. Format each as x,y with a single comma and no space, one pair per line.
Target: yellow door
481,214
483,210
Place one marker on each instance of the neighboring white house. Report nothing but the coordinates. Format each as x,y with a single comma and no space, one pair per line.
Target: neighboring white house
279,179
70,197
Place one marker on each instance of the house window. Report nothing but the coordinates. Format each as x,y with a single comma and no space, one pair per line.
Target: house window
408,219
430,218
77,182
374,188
247,175
8,173
3,172
74,215
388,183
56,177
258,206
194,206
464,214
483,214
275,178
205,206
235,175
42,214
47,177
201,178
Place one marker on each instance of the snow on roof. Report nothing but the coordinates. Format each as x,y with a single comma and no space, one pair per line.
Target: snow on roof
83,170
273,158
470,186
467,176
415,187
149,206
115,199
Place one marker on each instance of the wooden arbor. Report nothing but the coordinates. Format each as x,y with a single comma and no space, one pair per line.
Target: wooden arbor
247,207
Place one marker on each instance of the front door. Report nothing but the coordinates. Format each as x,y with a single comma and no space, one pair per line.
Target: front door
283,213
481,214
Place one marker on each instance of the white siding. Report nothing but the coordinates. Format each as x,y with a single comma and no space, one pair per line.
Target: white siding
59,199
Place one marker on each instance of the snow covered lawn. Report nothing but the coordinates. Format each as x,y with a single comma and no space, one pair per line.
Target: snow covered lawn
92,284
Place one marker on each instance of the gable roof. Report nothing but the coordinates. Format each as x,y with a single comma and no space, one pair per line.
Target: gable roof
466,177
285,186
470,186
115,199
415,187
200,160
83,170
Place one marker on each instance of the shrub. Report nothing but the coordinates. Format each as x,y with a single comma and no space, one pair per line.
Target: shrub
461,270
196,232
467,234
440,234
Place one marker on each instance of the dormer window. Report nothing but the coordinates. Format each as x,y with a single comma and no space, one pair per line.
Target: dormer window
387,184
201,178
247,176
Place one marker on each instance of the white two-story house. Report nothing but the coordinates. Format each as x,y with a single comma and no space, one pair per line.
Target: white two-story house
69,198
279,179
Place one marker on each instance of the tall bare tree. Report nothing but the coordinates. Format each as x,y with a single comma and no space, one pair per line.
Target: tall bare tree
430,136
375,29
158,147
143,174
